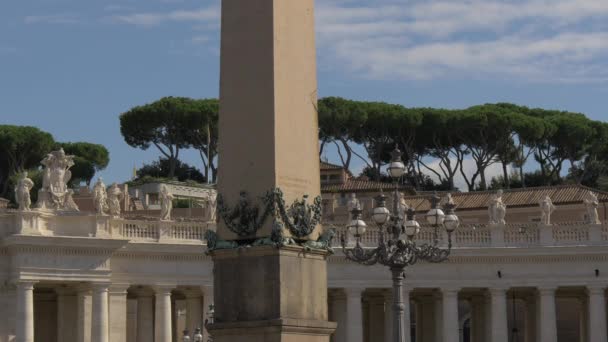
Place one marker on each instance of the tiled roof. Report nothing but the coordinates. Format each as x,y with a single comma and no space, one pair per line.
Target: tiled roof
359,185
565,194
329,166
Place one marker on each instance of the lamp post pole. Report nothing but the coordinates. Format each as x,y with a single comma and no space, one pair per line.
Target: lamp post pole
396,252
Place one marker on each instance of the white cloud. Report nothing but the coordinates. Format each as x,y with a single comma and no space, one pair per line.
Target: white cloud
537,40
150,19
530,40
52,19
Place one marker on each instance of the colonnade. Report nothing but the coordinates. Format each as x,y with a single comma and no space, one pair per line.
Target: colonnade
491,314
98,312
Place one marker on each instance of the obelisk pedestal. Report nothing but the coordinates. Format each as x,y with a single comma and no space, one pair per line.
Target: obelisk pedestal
270,283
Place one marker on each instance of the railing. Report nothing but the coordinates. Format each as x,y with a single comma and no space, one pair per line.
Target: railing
150,230
510,235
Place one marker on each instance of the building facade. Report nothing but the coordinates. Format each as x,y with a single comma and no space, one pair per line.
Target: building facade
74,277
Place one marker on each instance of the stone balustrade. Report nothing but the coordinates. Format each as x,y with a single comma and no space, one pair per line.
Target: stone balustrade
149,230
510,235
83,225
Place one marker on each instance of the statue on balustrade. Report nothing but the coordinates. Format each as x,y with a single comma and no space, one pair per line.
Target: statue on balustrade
22,192
56,176
403,207
210,209
100,197
115,195
70,205
166,203
353,202
547,208
497,210
592,203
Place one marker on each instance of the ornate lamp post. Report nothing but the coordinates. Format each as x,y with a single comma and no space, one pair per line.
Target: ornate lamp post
396,246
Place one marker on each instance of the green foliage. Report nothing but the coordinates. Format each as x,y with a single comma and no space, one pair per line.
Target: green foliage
161,170
21,148
166,124
90,158
491,133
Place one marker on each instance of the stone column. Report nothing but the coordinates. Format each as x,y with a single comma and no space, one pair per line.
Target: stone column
145,316
548,323
194,310
100,317
25,312
207,301
118,313
451,331
500,332
83,328
338,315
162,318
597,313
354,315
388,315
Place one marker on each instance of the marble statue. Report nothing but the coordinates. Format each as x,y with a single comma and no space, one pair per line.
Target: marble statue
115,195
100,197
353,202
69,201
166,203
56,175
22,192
211,207
497,210
547,208
592,203
402,207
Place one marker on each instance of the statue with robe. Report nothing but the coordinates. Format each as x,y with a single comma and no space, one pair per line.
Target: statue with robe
22,192
100,197
115,195
592,203
166,203
547,208
402,207
497,210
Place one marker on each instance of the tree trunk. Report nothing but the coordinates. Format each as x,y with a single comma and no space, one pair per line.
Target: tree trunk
522,176
505,175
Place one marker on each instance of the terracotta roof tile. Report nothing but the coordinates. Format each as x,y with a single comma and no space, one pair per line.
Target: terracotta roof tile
566,194
329,166
358,185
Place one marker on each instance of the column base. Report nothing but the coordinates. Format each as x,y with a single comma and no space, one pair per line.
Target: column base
277,330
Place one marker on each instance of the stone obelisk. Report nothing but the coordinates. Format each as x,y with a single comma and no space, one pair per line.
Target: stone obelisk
265,290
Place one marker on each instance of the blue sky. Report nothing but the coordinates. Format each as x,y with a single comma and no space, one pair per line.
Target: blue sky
71,67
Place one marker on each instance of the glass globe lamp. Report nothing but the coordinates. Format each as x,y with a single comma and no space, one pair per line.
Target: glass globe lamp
412,228
396,168
435,217
451,222
381,214
357,226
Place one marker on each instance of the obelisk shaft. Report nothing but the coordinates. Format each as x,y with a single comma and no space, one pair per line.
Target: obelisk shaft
268,93
268,292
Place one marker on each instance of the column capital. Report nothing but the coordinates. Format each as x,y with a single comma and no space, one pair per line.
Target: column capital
546,290
498,290
596,289
163,289
100,287
354,291
25,284
450,290
119,289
